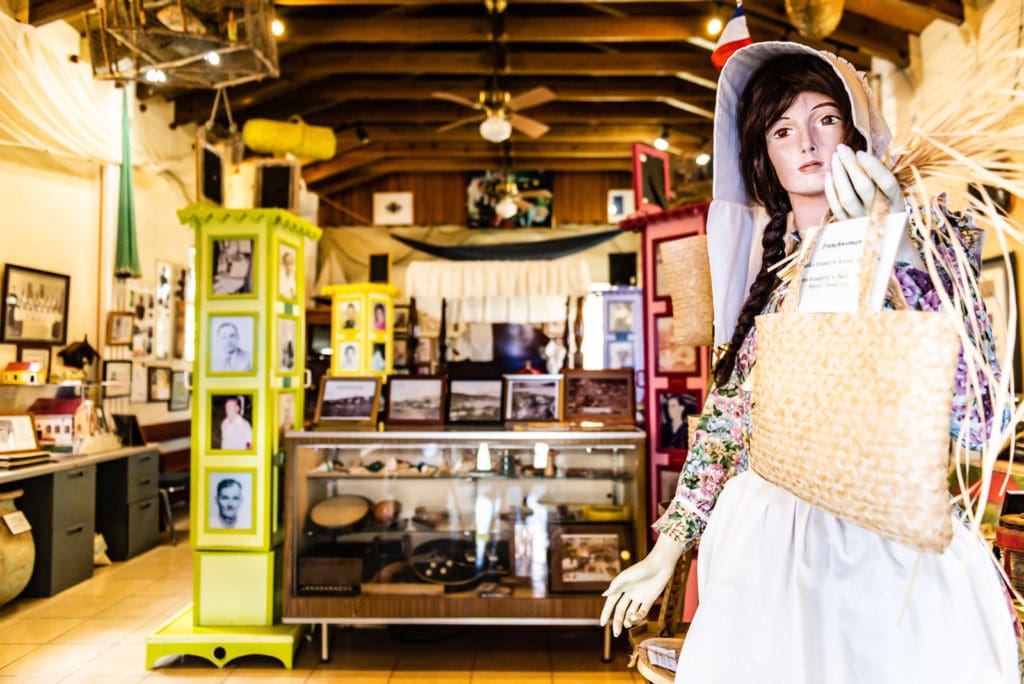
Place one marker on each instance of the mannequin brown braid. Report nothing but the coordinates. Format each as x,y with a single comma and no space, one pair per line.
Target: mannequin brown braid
767,95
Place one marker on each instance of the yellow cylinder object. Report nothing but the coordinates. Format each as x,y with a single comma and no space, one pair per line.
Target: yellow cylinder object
289,137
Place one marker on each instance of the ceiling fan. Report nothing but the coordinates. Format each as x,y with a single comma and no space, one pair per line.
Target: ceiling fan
501,112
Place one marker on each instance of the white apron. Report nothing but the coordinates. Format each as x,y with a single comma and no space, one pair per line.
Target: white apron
794,595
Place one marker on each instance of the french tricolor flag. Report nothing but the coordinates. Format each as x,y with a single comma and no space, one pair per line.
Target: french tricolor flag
734,36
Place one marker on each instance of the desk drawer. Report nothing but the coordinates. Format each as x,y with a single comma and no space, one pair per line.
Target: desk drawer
74,496
143,476
143,526
63,559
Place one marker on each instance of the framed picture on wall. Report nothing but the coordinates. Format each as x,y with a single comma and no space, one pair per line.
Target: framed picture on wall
287,286
675,407
671,357
604,396
180,391
159,383
533,398
232,341
233,267
349,311
349,401
117,379
415,400
231,427
120,327
474,401
231,497
35,306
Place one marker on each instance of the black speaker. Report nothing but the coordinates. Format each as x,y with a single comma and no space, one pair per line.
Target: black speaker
622,268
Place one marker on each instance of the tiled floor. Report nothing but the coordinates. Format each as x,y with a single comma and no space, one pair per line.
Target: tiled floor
96,632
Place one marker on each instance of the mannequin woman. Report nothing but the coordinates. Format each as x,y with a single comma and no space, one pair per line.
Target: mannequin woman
790,593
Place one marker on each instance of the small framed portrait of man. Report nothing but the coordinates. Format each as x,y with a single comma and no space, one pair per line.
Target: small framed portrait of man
232,340
230,505
287,287
232,267
231,422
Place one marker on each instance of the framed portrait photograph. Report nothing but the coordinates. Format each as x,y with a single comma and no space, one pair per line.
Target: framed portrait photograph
230,505
348,359
621,354
231,422
415,400
233,267
675,408
380,315
400,318
159,383
533,398
671,357
667,480
287,330
348,310
117,379
620,316
348,401
996,285
180,391
232,341
600,396
35,306
378,357
287,266
36,353
620,205
585,557
17,434
474,401
400,352
120,326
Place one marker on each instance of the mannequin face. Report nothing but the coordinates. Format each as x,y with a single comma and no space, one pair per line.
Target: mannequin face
801,143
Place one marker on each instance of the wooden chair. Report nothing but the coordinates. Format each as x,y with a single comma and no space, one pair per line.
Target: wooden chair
669,630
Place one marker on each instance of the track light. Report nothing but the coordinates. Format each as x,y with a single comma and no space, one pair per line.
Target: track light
495,128
661,142
362,135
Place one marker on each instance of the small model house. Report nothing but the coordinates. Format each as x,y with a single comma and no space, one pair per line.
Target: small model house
24,373
62,422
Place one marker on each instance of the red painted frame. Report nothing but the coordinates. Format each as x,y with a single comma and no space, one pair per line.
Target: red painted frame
639,153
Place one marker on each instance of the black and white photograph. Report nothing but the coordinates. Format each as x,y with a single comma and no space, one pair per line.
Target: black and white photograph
120,327
286,269
604,396
474,401
674,407
286,332
159,383
180,392
400,318
17,433
232,340
231,422
231,498
348,360
349,400
620,354
533,398
620,317
232,267
415,400
35,305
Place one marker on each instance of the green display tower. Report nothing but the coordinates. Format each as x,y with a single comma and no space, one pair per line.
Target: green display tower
248,379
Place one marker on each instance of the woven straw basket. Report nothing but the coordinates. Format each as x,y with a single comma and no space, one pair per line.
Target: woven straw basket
852,412
688,276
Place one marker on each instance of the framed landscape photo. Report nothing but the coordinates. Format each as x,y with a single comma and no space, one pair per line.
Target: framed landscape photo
35,306
117,379
533,398
415,400
600,396
348,401
474,401
120,327
585,557
17,433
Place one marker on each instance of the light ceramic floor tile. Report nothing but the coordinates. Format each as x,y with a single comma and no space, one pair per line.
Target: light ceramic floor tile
104,588
32,630
139,606
430,677
490,677
72,607
51,660
32,679
79,678
99,631
119,659
334,677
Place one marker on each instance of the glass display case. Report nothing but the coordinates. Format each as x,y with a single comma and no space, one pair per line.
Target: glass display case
481,526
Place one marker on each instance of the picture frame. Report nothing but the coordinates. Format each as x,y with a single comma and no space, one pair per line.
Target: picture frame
180,391
36,352
658,275
287,344
996,284
392,209
348,401
533,398
475,402
231,422
349,318
232,265
348,357
35,306
120,328
400,352
380,321
599,396
159,383
675,406
415,400
621,203
671,358
286,403
651,184
232,344
17,434
620,354
666,480
117,378
400,318
287,271
583,557
621,316
231,500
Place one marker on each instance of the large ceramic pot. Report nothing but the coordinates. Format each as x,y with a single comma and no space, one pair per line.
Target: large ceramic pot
17,552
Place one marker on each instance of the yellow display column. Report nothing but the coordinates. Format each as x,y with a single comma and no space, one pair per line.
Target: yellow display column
248,381
362,328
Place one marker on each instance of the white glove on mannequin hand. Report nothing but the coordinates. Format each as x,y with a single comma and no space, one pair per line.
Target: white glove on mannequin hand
850,186
632,593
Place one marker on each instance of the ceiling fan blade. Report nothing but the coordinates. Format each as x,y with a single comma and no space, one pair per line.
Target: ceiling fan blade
457,99
531,98
457,123
528,126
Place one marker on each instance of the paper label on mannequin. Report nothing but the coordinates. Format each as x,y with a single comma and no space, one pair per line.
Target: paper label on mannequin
830,277
17,522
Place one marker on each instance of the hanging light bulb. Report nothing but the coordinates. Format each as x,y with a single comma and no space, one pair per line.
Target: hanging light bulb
495,128
661,142
702,159
212,58
714,26
277,27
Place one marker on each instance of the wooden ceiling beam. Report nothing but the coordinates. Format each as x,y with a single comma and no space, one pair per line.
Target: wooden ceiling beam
422,3
44,11
908,16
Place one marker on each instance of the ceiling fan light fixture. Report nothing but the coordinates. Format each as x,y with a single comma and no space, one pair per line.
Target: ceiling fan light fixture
495,128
